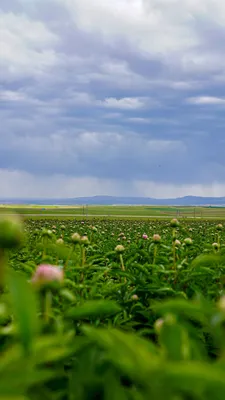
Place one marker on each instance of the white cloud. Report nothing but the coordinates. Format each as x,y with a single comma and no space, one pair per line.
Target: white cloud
172,30
24,185
153,26
68,146
10,95
126,103
16,183
26,46
169,190
206,100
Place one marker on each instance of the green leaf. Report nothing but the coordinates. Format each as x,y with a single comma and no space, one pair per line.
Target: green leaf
93,309
182,308
24,308
175,341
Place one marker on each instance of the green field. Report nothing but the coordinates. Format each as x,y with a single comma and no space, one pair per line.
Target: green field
112,308
117,211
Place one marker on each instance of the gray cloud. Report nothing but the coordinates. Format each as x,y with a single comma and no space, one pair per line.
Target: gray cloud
121,101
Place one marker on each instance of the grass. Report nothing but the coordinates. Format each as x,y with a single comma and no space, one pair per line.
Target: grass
115,211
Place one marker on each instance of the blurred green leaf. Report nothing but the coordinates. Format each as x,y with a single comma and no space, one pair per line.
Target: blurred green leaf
93,309
24,305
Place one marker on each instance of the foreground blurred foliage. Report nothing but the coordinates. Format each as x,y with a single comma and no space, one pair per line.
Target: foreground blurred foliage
144,321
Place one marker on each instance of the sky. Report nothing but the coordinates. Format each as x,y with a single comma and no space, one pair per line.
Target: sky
112,97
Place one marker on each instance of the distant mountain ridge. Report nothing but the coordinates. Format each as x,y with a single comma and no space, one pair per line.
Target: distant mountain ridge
115,200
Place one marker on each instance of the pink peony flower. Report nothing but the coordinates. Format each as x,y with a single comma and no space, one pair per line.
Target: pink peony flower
46,274
144,236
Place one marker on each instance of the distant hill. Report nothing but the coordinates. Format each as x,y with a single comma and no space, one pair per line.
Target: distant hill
113,200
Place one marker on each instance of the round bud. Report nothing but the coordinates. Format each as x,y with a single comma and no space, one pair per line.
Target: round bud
221,303
174,223
156,238
84,240
46,233
11,232
188,241
215,246
75,238
219,227
158,325
63,227
135,297
119,249
144,236
59,241
177,243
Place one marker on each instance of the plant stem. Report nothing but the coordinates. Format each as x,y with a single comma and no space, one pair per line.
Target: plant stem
122,266
174,254
47,305
218,239
155,254
68,257
44,247
2,269
83,260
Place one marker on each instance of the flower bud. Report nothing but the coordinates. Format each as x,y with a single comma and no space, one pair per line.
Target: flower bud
11,232
174,223
84,240
144,236
75,238
219,227
47,276
156,238
188,241
59,241
135,297
158,325
221,303
46,232
119,248
215,246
